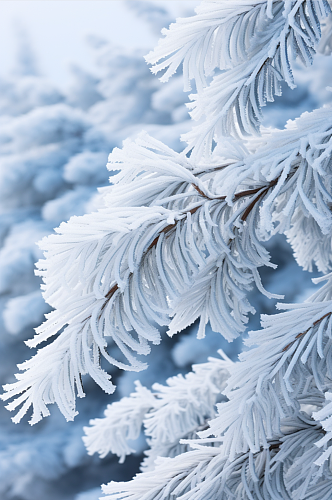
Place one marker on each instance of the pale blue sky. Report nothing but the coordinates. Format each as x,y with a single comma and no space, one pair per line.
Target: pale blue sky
57,29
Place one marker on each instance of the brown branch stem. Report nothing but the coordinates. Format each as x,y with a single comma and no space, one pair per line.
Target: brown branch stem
167,229
300,335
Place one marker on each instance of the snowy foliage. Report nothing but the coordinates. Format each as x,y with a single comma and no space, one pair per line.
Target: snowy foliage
168,414
180,236
254,44
112,273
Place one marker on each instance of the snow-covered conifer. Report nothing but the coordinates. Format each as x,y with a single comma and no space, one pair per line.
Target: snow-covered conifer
180,236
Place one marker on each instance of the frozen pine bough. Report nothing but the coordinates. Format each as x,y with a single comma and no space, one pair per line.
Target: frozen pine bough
180,237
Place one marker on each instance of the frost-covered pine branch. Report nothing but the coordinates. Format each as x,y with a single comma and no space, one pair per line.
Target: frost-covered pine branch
254,44
169,413
272,438
180,236
116,263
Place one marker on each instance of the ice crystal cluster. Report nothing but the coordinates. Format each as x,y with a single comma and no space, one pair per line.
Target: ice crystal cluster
182,236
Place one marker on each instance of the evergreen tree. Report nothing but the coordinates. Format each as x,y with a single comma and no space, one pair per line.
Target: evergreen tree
180,236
